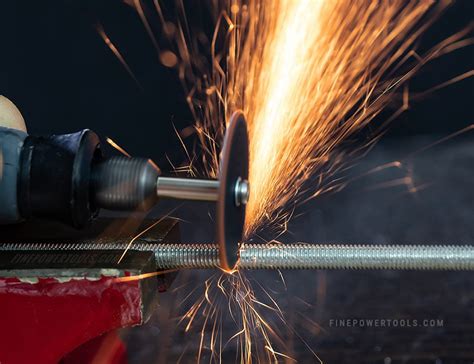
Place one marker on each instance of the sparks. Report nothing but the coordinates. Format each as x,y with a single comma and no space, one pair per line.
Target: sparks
117,147
308,74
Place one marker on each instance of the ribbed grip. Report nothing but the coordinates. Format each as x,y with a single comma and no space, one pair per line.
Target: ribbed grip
121,183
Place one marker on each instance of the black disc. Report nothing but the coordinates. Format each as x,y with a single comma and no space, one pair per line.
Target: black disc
234,167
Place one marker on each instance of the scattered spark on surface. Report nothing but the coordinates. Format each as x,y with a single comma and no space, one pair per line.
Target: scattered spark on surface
144,275
232,295
118,147
445,84
125,153
443,140
116,52
154,165
166,216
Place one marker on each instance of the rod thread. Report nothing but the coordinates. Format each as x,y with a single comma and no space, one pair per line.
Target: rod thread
289,256
338,256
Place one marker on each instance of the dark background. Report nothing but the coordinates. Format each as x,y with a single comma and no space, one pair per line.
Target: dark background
63,77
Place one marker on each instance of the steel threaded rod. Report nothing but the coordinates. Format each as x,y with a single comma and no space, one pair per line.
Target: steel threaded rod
290,256
335,256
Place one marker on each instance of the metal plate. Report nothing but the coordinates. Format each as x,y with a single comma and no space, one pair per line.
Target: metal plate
234,165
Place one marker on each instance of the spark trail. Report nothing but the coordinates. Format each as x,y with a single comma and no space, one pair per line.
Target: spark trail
308,74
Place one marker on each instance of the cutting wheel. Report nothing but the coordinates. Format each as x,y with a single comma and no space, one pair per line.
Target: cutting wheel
233,169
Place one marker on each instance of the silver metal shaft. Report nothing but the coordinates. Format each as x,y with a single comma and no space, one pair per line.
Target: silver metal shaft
187,188
291,256
198,189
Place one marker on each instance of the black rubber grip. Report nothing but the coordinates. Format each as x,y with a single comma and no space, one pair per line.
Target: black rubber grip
54,177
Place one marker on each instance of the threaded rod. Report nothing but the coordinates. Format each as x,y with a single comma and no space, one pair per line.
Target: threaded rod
290,256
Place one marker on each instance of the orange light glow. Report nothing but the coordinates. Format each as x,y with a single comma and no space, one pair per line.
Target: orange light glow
308,75
168,59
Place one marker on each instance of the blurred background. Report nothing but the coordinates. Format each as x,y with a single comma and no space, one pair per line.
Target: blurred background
55,66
